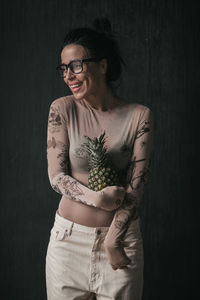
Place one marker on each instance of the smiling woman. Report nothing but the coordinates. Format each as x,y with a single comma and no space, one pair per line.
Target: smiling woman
95,246
92,76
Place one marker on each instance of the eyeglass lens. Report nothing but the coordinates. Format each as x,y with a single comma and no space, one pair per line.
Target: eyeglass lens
75,67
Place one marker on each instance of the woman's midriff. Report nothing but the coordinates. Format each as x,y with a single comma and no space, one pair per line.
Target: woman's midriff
84,214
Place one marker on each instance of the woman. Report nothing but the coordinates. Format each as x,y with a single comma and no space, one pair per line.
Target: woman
95,247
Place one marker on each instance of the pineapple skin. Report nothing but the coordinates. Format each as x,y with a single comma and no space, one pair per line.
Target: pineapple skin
102,176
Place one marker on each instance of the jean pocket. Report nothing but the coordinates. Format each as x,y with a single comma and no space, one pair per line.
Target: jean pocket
59,233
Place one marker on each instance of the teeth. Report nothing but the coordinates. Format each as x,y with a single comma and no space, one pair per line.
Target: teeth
75,85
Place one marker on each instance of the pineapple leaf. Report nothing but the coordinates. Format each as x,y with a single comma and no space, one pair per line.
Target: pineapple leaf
87,137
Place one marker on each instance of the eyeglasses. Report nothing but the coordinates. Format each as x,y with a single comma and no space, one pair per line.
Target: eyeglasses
76,66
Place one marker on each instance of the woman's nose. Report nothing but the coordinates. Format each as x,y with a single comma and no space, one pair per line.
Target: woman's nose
68,73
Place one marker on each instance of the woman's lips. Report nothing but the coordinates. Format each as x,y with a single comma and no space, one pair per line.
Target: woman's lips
76,87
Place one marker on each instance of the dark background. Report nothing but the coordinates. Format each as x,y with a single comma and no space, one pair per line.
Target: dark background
160,44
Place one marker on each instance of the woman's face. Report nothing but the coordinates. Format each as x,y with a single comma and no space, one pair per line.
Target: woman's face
91,79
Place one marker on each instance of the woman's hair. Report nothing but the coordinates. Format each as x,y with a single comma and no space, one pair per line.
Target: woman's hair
99,40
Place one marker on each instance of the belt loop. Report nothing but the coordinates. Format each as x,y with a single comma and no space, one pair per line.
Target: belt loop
70,229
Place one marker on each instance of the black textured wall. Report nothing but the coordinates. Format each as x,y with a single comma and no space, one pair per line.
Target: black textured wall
160,44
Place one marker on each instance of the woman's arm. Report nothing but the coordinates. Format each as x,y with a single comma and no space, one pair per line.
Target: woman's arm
58,159
58,165
136,178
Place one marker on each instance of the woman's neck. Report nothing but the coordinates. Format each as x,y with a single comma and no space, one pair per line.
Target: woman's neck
104,100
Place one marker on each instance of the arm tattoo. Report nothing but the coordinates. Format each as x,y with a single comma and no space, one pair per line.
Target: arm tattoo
121,219
143,130
129,209
69,186
126,212
54,120
63,155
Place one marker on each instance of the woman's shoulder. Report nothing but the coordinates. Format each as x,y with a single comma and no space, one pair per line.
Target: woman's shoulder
63,107
63,101
142,109
136,107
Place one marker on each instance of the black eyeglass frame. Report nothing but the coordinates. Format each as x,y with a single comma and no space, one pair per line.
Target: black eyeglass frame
77,60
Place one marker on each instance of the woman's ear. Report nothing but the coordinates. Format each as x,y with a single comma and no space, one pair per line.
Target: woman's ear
103,66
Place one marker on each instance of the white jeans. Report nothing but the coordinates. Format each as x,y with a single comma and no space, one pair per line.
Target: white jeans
77,266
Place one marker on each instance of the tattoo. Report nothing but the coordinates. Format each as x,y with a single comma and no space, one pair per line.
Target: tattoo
143,144
70,188
54,120
51,143
125,149
129,201
63,155
143,175
143,130
136,181
81,153
132,167
121,219
129,209
56,188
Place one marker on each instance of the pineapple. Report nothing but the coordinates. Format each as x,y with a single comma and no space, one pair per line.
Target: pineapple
101,172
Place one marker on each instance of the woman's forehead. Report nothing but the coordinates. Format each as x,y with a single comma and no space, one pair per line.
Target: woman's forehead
72,52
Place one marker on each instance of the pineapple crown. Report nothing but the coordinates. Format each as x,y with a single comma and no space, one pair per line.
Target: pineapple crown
96,150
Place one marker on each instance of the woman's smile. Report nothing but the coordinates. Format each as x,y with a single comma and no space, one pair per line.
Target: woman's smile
75,87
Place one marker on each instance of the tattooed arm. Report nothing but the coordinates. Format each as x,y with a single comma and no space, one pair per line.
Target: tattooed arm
137,176
58,164
58,158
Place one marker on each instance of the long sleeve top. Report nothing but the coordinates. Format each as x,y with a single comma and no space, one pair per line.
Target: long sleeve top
129,140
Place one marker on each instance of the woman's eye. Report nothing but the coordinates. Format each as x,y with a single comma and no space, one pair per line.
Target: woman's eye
77,65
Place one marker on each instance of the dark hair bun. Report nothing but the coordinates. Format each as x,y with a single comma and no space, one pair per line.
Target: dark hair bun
100,41
102,25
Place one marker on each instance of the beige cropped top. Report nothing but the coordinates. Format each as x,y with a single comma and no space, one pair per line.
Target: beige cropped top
129,142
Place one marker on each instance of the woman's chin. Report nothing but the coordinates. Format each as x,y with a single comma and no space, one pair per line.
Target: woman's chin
78,96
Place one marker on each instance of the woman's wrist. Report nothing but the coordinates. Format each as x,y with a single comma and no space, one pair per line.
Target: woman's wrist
98,199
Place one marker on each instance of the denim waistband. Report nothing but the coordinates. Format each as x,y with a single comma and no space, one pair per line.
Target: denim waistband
67,224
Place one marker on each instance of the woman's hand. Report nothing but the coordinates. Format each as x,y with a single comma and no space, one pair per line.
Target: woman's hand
111,197
116,256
